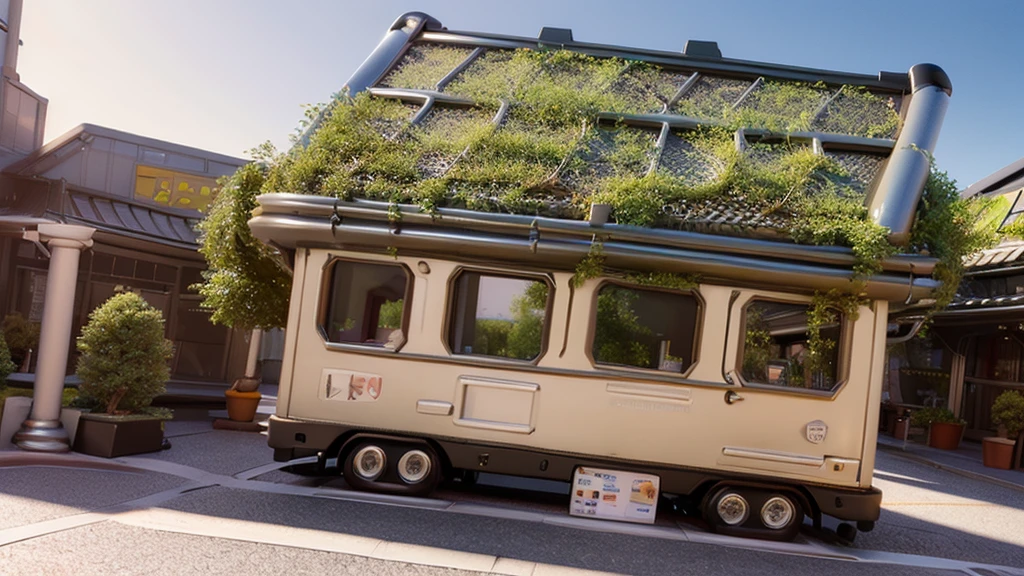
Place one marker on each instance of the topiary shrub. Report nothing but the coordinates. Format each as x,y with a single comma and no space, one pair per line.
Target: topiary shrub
22,336
1008,411
123,362
6,366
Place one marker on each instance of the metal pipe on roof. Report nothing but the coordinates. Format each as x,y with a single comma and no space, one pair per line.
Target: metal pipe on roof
294,230
893,203
488,222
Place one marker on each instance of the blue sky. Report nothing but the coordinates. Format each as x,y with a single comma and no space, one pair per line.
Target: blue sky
226,75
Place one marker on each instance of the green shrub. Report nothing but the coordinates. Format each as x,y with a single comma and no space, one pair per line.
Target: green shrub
21,336
1008,411
929,416
123,365
6,366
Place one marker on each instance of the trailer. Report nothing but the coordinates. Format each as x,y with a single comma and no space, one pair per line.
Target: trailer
630,352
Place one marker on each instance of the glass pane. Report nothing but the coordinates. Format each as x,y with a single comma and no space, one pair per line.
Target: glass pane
645,328
366,304
498,316
777,348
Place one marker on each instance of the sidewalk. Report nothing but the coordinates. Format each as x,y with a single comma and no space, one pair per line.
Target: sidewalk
965,460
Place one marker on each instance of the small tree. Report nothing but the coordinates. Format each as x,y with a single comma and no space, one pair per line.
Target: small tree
6,366
245,286
123,365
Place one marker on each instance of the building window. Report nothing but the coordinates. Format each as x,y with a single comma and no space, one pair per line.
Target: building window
365,303
645,328
777,349
500,316
174,189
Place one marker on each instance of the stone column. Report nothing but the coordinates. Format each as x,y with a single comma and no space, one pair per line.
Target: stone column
42,432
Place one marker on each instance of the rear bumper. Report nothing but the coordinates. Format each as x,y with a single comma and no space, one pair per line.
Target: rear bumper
299,438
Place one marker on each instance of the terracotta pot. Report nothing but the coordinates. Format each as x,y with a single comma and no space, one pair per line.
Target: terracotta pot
242,405
945,436
997,452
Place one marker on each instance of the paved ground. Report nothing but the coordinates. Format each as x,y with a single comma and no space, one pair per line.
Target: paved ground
215,504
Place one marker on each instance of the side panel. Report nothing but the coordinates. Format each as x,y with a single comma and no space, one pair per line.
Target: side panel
291,333
564,403
875,395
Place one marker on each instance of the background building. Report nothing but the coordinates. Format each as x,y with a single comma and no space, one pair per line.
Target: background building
141,197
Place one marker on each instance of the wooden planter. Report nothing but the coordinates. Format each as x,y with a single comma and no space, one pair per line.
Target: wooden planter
112,436
945,436
997,453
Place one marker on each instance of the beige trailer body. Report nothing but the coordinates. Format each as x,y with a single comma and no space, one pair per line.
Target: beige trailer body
437,321
563,402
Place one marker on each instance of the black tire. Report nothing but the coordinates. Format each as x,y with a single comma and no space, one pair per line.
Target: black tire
725,498
428,484
388,481
737,511
789,528
352,478
846,532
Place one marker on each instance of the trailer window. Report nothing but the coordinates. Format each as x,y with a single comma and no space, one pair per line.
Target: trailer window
499,316
645,328
366,303
777,349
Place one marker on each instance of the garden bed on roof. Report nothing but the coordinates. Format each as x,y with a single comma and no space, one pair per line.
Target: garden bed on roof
551,132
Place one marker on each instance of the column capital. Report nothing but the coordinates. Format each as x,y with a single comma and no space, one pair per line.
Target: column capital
65,235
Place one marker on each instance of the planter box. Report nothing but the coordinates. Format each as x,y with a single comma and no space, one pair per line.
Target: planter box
997,453
113,436
945,436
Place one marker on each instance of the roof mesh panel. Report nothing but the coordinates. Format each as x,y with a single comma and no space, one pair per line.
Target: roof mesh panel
711,97
424,65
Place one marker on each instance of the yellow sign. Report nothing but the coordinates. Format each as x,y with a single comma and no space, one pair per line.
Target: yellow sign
174,189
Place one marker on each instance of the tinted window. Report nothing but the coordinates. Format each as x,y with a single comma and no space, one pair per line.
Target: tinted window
499,316
777,351
645,328
366,303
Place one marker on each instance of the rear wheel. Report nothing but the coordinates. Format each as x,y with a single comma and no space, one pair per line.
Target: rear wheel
391,466
753,512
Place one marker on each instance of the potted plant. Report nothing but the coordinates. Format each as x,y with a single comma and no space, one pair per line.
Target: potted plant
1008,414
6,365
22,338
944,428
123,366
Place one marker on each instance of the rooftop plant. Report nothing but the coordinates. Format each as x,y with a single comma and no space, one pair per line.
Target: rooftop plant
552,155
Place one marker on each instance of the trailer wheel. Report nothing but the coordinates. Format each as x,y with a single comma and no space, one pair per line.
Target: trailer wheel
420,469
753,512
781,515
726,508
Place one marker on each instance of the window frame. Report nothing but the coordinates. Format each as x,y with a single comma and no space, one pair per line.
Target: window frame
698,328
326,277
451,305
842,349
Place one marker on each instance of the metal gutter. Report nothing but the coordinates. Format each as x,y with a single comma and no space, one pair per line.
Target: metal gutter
512,223
291,227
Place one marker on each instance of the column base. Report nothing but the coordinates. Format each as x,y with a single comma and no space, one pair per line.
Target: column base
43,436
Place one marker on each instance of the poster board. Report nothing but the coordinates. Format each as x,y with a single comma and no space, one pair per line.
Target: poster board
614,495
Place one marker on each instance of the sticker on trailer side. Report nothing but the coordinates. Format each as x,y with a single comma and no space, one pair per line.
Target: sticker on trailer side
614,495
